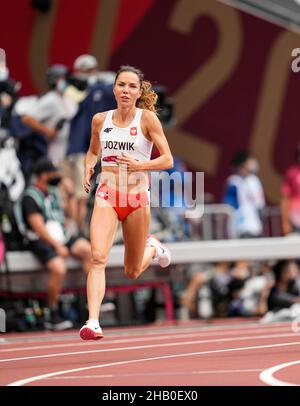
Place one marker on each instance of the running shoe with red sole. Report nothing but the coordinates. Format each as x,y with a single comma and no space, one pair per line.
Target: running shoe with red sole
90,332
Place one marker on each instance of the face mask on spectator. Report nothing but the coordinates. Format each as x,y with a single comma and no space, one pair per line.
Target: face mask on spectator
253,166
92,79
3,74
54,181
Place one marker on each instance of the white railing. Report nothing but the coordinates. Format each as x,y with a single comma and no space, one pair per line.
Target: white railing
189,252
217,223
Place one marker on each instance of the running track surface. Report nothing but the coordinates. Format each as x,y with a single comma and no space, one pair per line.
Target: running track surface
182,354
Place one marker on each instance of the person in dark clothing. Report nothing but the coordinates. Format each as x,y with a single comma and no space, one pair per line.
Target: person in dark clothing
9,91
44,227
285,291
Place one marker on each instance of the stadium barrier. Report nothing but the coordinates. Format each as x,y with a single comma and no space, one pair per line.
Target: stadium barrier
23,268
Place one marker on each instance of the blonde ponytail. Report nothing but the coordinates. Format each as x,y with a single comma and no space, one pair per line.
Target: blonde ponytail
148,98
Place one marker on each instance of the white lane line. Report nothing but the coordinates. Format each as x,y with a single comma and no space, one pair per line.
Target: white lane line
23,382
143,347
151,374
132,340
147,331
267,375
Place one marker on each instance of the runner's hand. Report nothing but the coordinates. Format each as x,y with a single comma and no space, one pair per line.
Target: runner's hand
131,164
88,174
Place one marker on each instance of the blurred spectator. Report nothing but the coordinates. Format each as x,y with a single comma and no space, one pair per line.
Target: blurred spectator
86,68
11,178
286,291
48,118
228,289
170,213
9,90
207,292
30,145
248,291
244,192
284,297
239,273
44,226
2,248
12,185
290,197
254,295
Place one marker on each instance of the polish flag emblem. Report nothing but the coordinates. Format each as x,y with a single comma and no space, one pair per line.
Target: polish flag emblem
133,131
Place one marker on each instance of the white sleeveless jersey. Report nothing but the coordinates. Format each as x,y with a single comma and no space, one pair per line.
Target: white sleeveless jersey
129,140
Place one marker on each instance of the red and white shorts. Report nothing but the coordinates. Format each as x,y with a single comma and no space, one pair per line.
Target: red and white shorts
123,203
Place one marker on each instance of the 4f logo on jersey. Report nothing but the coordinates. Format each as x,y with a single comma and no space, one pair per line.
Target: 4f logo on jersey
107,130
133,131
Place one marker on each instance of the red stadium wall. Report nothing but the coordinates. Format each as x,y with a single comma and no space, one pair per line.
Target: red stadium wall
228,72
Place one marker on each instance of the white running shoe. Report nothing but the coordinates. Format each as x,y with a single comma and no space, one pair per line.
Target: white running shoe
91,331
163,254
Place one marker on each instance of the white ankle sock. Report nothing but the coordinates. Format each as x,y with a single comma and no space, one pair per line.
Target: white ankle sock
93,321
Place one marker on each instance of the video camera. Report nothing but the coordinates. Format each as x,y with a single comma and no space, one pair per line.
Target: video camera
165,106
